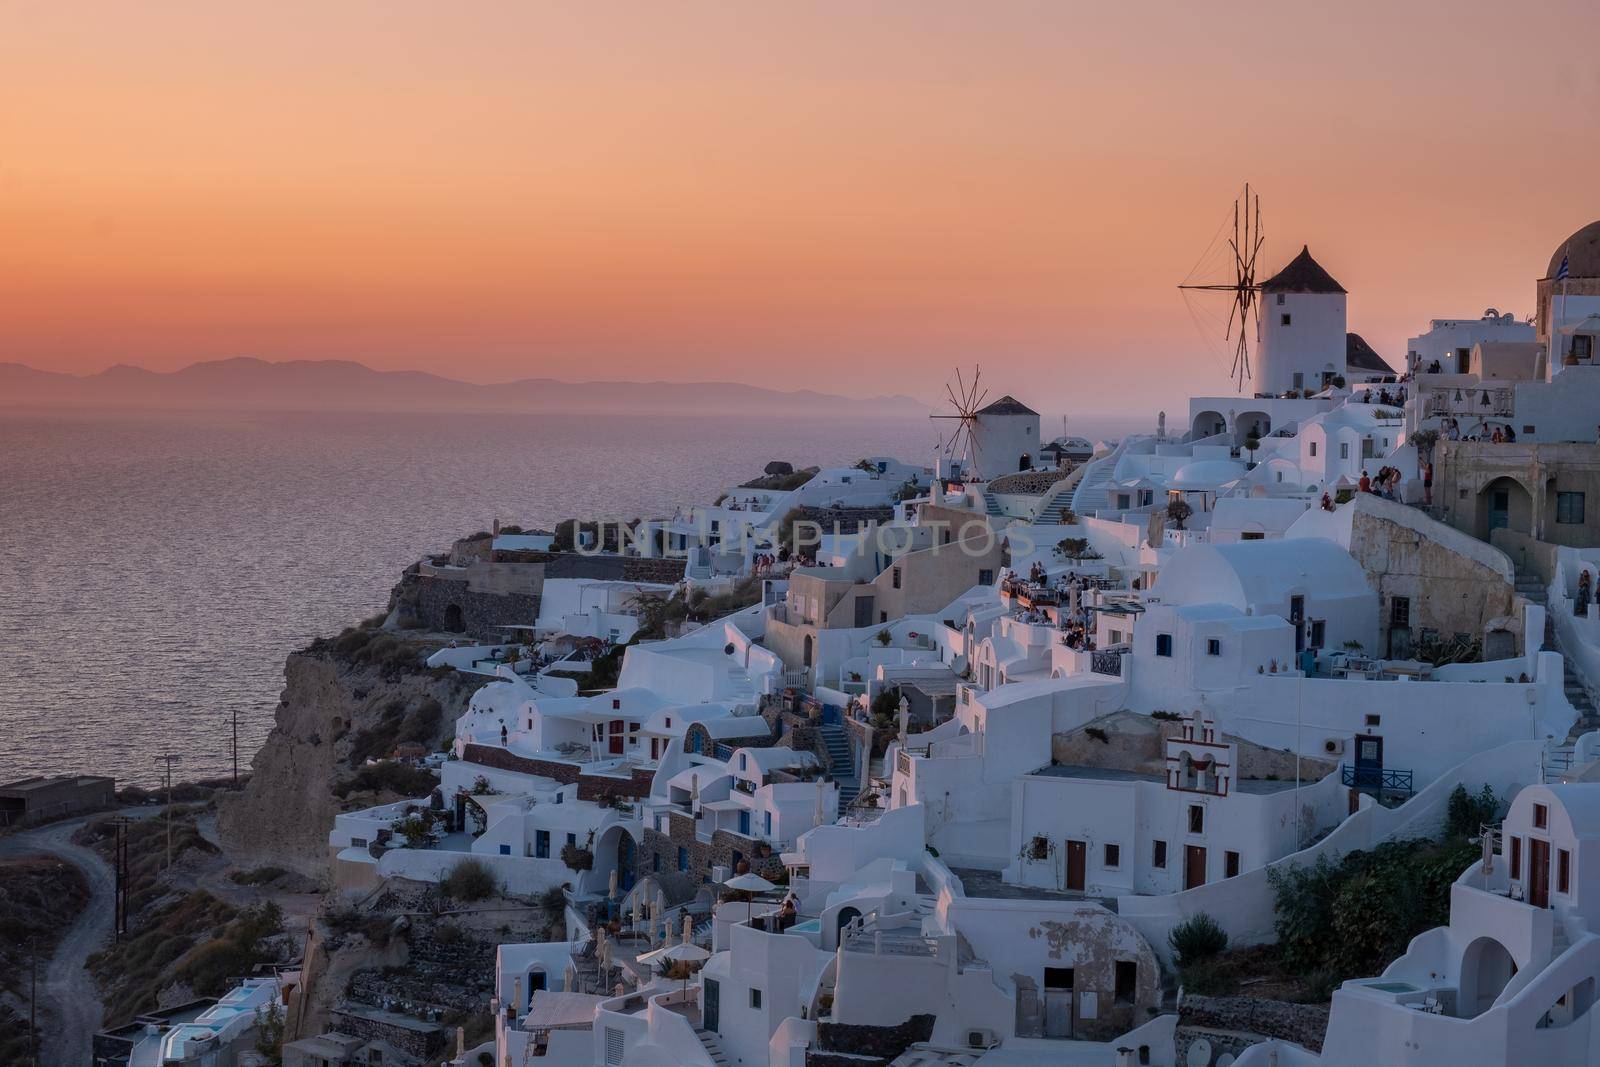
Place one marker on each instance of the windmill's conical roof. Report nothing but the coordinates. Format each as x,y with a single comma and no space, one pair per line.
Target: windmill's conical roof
1007,405
1302,275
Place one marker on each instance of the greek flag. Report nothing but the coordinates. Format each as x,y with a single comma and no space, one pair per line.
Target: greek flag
1562,271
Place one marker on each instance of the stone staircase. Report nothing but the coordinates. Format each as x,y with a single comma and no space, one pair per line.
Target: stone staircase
1558,756
1058,503
1094,489
713,1047
841,764
990,504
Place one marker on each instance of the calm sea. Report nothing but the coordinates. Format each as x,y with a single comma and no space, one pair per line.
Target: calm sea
158,567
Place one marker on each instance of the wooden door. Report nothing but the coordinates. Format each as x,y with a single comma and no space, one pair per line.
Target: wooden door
1538,873
1077,857
615,733
1194,866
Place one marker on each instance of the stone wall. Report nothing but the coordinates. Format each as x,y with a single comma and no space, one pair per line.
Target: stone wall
1251,1020
661,850
373,1026
850,1045
428,601
590,786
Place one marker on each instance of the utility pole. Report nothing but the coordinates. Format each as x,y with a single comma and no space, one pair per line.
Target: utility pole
123,827
33,1001
168,758
236,747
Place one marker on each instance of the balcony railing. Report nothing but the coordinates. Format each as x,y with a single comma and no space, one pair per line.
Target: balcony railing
1107,661
1377,779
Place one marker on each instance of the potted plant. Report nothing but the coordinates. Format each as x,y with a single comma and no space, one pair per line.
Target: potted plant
883,638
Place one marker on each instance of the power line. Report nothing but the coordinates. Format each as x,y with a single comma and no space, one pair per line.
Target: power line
169,758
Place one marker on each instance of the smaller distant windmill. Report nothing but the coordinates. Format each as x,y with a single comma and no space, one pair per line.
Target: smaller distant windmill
1243,248
966,400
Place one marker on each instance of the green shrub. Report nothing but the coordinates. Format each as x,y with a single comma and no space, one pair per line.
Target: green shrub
1195,939
1353,917
392,776
470,880
1209,978
1465,813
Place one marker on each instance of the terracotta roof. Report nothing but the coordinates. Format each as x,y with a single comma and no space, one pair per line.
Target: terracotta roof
1582,251
1302,275
1007,405
1358,355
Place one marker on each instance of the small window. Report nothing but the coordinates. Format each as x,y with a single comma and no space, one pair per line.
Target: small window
1058,977
1113,857
541,844
1127,977
683,858
986,577
742,761
572,839
655,862
1563,871
1516,858
1344,449
1374,720
1569,507
1158,855
1280,300
558,797
505,850
1213,647
755,999
896,576
1163,644
1541,817
1400,611
358,842
1230,865
1197,819
1286,319
1313,450
616,703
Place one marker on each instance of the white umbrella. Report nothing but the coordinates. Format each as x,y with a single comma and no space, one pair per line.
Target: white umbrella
686,953
750,883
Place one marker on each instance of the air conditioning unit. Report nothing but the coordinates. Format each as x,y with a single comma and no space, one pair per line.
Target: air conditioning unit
720,874
1333,746
982,1039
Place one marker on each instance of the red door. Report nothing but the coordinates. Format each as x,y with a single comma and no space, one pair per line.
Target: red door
614,732
1077,853
1538,873
1194,866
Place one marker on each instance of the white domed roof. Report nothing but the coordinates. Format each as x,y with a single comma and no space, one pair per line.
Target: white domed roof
1206,474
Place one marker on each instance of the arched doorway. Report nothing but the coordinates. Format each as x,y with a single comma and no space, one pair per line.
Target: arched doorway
809,651
1504,504
1259,421
453,620
625,872
1208,424
1486,968
846,916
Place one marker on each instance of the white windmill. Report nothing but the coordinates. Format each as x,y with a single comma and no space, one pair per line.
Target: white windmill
959,455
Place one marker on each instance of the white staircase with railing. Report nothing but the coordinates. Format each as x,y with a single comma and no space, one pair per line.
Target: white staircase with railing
1094,490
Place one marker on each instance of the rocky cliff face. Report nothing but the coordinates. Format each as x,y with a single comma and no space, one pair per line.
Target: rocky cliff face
344,700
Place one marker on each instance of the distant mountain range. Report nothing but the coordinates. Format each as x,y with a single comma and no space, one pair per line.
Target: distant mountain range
256,384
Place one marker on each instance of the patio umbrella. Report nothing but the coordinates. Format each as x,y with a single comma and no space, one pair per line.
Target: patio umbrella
750,883
686,953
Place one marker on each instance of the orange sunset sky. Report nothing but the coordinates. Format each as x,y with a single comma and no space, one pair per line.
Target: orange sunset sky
846,196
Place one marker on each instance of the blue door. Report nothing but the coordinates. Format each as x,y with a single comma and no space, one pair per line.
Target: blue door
711,1005
744,823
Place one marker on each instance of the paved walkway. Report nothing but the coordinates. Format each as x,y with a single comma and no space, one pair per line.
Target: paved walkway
72,1009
